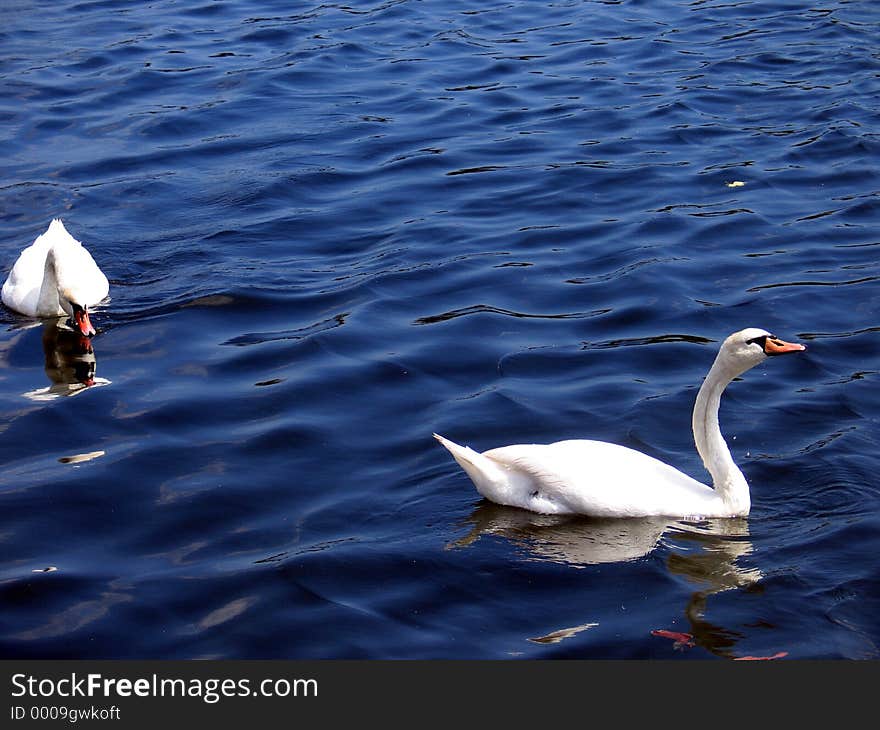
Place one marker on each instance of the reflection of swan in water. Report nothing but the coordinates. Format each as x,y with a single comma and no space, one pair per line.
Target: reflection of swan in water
69,362
705,553
571,539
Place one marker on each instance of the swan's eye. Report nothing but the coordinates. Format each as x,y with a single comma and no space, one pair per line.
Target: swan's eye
760,341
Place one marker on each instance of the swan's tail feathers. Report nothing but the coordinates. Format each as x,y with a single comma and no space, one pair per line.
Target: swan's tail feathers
484,473
462,454
56,226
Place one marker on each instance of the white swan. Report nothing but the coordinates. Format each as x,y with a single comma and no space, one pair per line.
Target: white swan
607,480
55,276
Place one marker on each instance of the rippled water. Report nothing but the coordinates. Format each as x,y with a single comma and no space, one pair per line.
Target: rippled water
332,231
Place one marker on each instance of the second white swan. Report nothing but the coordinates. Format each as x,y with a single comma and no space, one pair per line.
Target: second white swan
55,276
608,480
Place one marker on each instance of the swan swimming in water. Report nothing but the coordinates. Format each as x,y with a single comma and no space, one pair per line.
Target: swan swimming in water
55,276
607,480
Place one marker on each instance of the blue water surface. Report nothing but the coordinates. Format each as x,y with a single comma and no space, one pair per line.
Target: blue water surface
332,230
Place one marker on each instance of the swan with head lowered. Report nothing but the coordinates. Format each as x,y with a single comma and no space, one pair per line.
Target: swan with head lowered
608,480
55,276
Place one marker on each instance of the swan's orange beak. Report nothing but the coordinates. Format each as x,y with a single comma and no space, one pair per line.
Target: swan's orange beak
83,323
775,346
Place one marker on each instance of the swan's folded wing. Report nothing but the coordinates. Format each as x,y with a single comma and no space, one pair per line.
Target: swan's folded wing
21,290
80,275
602,479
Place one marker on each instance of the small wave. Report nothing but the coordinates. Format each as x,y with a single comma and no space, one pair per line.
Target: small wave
488,309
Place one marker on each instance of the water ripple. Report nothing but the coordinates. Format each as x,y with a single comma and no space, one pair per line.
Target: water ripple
582,198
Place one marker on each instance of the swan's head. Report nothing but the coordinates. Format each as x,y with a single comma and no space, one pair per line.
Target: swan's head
73,289
78,313
748,347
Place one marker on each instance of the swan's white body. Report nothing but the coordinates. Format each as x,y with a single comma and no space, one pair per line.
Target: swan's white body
607,480
55,276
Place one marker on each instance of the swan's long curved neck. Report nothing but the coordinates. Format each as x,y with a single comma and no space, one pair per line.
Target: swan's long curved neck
727,479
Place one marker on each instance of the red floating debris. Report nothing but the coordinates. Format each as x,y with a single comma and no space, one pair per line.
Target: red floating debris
777,655
682,640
